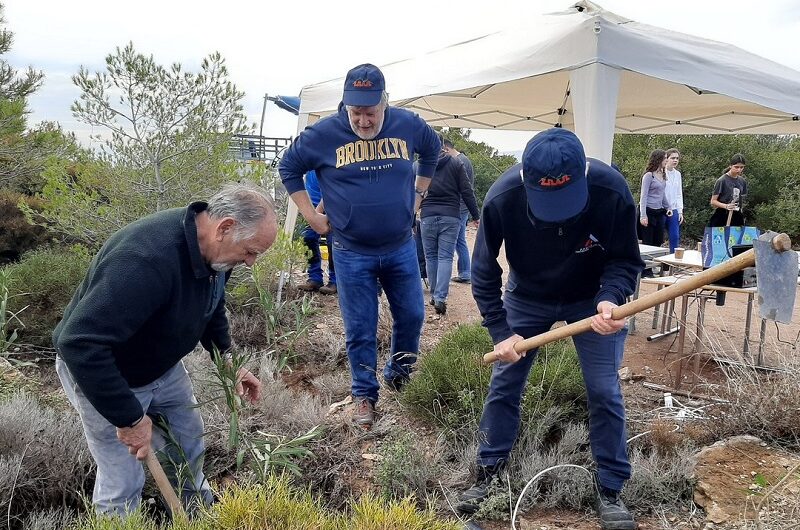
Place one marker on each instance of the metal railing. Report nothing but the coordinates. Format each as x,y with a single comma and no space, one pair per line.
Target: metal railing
252,147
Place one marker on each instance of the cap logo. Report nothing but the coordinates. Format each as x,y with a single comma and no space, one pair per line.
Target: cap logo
362,83
550,182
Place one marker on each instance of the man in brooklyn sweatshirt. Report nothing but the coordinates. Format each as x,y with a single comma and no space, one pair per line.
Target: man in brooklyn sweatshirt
363,157
569,229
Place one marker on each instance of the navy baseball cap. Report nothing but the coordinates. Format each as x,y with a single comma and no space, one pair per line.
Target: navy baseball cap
363,86
554,174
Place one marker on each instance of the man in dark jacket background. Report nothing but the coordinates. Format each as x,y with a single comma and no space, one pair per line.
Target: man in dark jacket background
569,229
462,250
440,221
154,290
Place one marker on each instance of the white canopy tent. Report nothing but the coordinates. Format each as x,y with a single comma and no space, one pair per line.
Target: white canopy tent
593,72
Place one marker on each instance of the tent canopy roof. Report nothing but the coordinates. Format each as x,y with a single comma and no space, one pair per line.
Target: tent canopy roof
519,79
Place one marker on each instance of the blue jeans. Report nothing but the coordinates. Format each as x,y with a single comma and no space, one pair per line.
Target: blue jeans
311,239
600,357
358,276
120,477
439,235
462,250
674,230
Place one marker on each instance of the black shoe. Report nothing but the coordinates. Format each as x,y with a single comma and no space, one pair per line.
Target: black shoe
459,279
397,384
433,302
440,307
611,510
470,500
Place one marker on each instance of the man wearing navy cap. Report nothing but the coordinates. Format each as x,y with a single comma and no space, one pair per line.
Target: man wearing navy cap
363,157
569,229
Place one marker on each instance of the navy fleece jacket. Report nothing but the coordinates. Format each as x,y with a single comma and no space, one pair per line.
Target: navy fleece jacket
593,256
450,185
146,301
368,185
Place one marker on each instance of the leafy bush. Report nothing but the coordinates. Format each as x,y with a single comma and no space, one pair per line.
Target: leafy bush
16,234
451,384
43,283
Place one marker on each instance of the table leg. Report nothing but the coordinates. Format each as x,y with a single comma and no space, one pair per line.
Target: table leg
701,313
656,310
748,321
681,339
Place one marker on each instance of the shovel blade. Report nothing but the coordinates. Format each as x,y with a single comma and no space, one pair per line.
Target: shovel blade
776,278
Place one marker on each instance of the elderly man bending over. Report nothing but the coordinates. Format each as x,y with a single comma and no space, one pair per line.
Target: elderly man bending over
156,289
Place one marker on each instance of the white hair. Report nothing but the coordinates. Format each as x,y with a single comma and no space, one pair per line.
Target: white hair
245,203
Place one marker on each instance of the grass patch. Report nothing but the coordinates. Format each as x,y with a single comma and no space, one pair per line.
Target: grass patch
276,505
451,383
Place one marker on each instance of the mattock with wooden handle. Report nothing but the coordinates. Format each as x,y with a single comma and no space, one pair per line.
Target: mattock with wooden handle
760,254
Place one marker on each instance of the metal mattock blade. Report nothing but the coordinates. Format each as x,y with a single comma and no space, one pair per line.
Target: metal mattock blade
776,279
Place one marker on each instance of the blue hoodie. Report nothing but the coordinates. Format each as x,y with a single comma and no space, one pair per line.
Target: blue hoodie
593,256
368,185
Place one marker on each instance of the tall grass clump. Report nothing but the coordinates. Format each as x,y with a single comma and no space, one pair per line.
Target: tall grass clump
766,405
277,505
44,282
451,383
44,460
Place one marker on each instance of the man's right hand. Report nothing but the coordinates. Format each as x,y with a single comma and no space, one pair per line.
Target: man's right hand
504,351
319,223
137,438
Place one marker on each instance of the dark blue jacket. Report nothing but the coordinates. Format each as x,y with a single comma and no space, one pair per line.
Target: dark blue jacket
593,256
147,300
450,185
368,185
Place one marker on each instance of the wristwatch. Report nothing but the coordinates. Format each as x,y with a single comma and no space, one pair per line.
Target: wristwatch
422,193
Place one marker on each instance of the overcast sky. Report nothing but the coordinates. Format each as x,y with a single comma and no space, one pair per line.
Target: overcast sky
279,47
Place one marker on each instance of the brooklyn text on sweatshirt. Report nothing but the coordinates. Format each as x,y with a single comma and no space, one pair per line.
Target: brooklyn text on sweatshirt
368,150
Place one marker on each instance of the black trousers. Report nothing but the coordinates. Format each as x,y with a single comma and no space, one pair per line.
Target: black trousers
653,233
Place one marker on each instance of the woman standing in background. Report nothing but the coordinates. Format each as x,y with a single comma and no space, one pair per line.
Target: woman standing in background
674,193
653,205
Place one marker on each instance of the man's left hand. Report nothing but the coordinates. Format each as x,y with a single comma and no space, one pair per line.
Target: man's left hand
247,385
603,323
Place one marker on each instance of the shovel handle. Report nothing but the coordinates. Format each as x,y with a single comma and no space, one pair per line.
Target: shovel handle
164,487
780,243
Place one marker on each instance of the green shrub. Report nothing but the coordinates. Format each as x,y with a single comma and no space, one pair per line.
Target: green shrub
16,234
403,469
451,384
43,284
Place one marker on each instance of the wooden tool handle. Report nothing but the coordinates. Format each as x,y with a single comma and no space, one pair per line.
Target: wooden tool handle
780,243
164,487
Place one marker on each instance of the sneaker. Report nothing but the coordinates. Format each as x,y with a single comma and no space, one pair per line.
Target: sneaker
310,286
328,289
459,279
611,510
440,307
364,414
470,500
